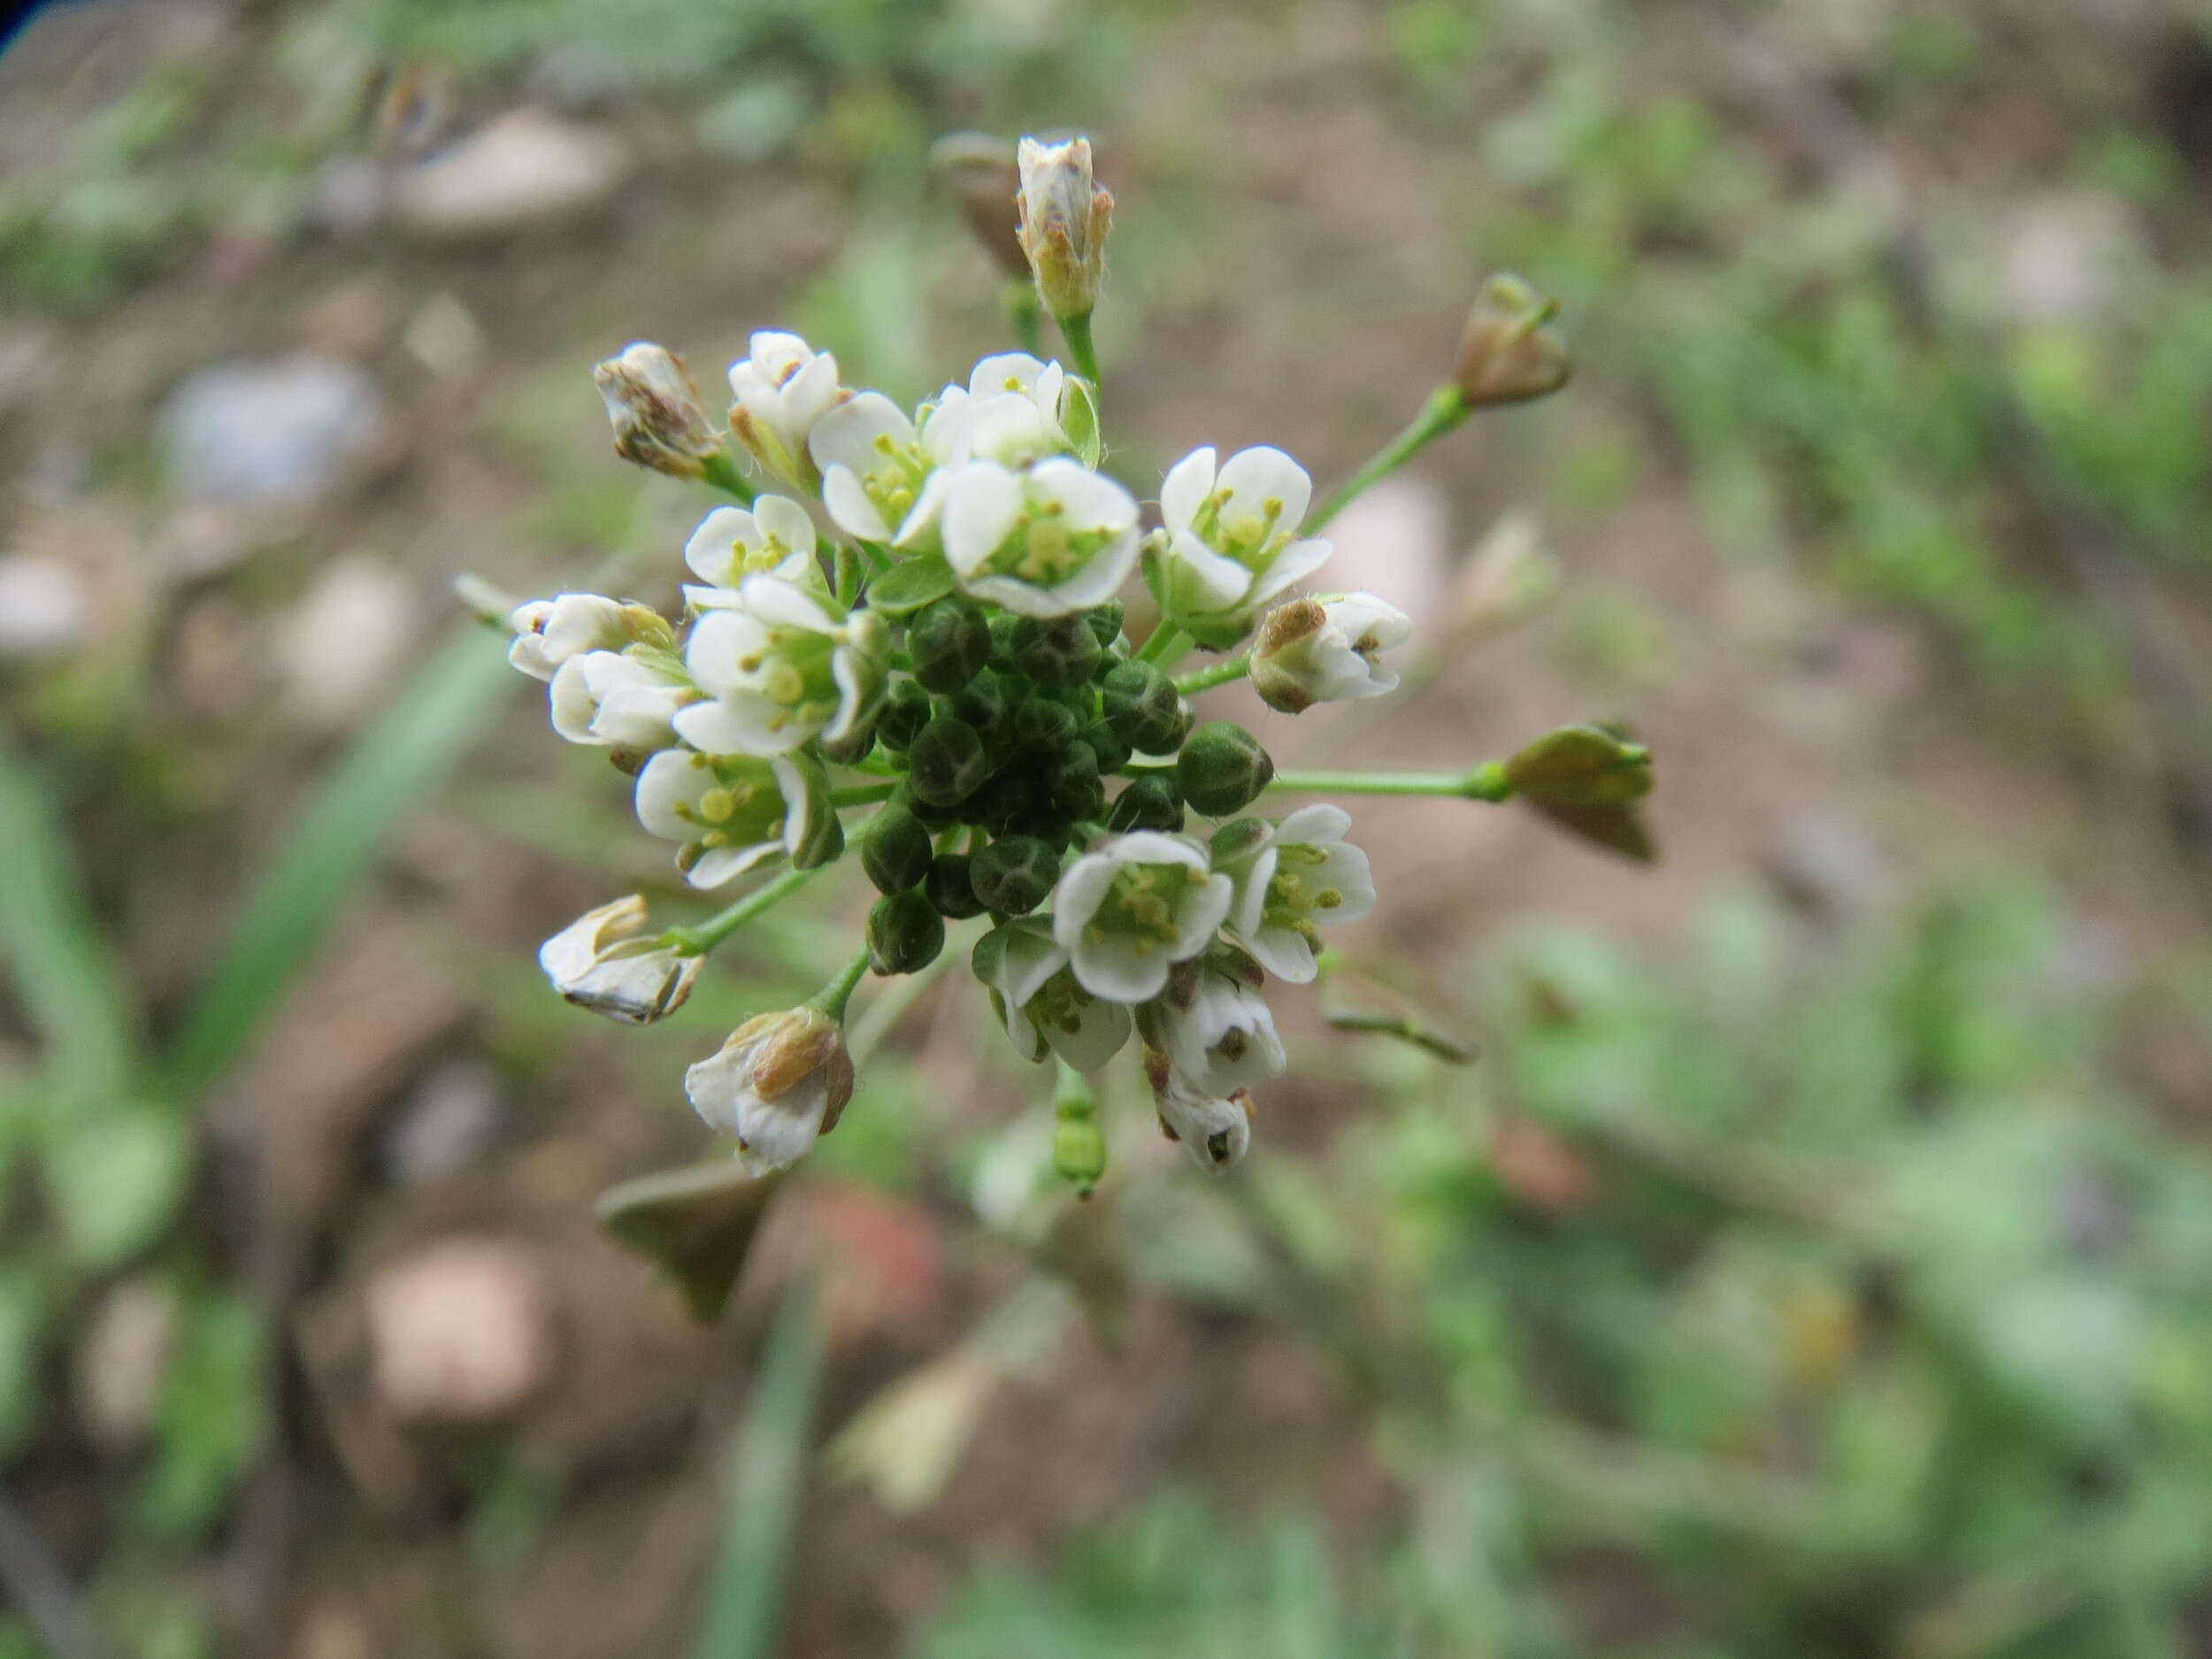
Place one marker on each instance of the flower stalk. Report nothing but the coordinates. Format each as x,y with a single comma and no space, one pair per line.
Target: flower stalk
702,937
1485,782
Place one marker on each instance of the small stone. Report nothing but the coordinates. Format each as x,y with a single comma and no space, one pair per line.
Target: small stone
120,1360
525,169
461,1331
45,607
448,1123
280,433
341,646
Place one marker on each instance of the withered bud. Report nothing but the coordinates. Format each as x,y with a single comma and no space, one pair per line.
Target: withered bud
655,409
1065,216
1511,351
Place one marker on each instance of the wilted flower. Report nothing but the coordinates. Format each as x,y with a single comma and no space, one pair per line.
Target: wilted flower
1216,1128
782,388
735,811
774,537
778,1083
1322,651
781,668
606,962
1213,1024
1229,541
1049,541
1064,219
1042,1004
1127,912
882,474
548,631
615,701
1510,352
1302,874
658,420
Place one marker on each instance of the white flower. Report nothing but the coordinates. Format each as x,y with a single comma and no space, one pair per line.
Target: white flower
781,668
548,631
612,701
882,474
655,411
1046,542
1017,405
1324,650
1216,1027
606,962
1040,1001
1216,1128
782,389
1064,219
732,812
774,537
779,1083
1128,912
1300,875
1229,539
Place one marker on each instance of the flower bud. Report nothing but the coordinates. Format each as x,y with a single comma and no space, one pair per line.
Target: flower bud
904,933
949,886
1217,1129
1107,745
1073,784
988,703
945,763
655,409
1150,802
1015,874
949,641
1054,650
895,850
1142,706
906,711
1105,621
1079,1150
605,961
1323,651
1580,766
1042,725
979,171
550,632
1063,221
1222,769
779,1081
1510,352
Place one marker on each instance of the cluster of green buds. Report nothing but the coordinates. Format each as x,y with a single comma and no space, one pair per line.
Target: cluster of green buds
906,638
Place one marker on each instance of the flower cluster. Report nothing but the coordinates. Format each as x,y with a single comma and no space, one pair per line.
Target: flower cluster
906,637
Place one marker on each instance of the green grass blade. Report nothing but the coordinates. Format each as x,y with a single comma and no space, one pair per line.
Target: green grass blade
744,1608
390,768
70,984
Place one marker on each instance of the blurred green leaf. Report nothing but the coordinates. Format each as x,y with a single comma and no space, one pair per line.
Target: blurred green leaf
696,1224
25,1304
115,1176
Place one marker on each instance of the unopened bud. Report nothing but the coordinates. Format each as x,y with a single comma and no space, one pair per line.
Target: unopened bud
1511,351
904,933
1064,219
550,632
986,702
949,641
1149,804
1105,621
945,763
1073,784
895,850
605,961
1015,874
1222,769
1580,766
655,409
1323,651
1054,650
1108,746
979,171
780,1080
1079,1150
905,711
949,886
1142,706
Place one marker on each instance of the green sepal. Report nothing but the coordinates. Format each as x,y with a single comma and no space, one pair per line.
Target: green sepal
1580,766
1078,418
910,585
812,834
696,1224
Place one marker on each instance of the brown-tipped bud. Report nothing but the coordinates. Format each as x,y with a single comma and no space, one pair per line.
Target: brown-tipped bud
1511,351
779,1082
1064,219
655,409
979,172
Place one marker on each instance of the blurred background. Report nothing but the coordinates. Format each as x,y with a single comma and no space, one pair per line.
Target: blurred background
1817,1259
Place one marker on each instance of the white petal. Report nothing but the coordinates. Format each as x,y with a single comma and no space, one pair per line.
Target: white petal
1346,869
638,717
850,506
1117,970
1007,372
1091,501
1102,577
1201,914
1283,952
1323,821
1292,566
1153,847
1250,905
711,551
1220,581
847,435
809,395
719,639
672,778
1253,477
1081,888
720,864
1101,1029
736,724
1020,597
921,517
981,504
1184,491
785,604
1031,957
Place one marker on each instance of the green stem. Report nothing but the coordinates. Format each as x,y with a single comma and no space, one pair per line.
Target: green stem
832,998
1220,674
1445,407
722,472
1074,1097
847,574
862,793
1077,332
1167,644
1485,782
697,941
1025,314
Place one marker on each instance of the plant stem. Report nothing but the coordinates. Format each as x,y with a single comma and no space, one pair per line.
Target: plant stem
697,941
1167,644
833,997
1025,314
1485,782
1074,1097
722,472
862,793
1445,407
1077,332
1220,674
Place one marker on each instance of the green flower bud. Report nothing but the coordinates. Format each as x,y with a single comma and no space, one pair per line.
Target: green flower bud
906,711
1107,746
1078,1152
1141,704
1150,802
853,745
1105,622
1015,874
949,886
945,763
1003,626
1042,724
1010,798
987,703
931,818
949,641
1580,766
895,850
1222,769
1073,784
1055,650
904,933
